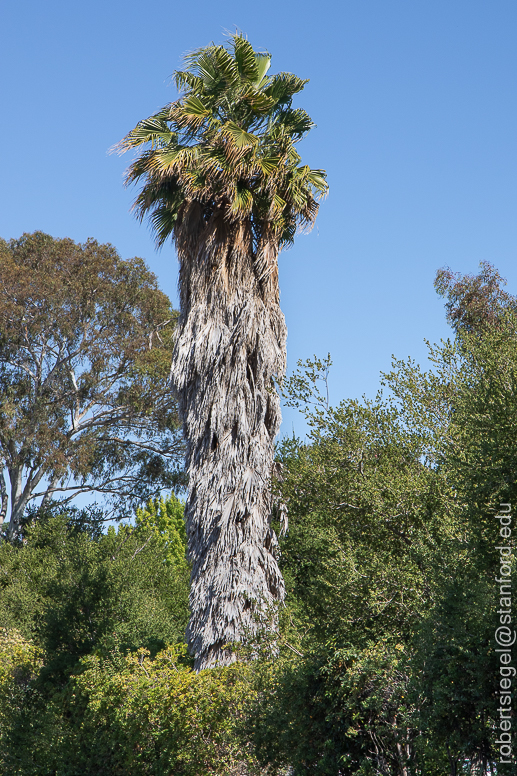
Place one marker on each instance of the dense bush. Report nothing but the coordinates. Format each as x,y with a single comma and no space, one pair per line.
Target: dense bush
74,594
158,716
122,714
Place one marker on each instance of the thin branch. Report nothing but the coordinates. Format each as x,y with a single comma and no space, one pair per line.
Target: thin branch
292,648
142,547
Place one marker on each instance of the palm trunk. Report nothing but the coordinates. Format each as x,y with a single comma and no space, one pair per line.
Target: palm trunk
231,344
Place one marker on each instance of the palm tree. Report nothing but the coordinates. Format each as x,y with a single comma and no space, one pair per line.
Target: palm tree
222,177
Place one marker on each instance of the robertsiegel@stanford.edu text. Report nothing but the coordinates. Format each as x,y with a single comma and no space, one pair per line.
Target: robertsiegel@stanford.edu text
505,635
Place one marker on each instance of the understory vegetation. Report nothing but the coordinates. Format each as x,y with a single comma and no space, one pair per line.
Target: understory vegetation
385,662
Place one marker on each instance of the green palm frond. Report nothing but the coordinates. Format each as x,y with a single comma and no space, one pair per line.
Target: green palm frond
243,200
283,86
186,81
278,203
195,181
173,159
201,64
294,123
214,160
293,156
158,194
163,220
193,106
288,233
150,131
269,165
239,136
258,101
140,167
226,65
245,58
318,179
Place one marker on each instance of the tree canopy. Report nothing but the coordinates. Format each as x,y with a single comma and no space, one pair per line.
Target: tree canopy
391,557
474,302
85,406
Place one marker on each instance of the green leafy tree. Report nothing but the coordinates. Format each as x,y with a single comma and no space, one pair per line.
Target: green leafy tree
474,302
370,524
221,176
352,706
73,594
85,341
165,518
454,673
392,542
477,454
368,515
20,662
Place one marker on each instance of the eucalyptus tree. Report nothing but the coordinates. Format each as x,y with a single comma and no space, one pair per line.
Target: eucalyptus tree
85,405
475,303
221,176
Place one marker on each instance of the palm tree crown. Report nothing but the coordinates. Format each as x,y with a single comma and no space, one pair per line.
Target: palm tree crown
228,143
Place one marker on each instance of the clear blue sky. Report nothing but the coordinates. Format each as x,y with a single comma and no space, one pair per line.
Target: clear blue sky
415,106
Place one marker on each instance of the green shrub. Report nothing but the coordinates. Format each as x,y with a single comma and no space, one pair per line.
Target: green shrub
20,662
157,716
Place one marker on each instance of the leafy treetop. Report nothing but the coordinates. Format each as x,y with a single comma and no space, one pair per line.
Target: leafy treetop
85,342
474,302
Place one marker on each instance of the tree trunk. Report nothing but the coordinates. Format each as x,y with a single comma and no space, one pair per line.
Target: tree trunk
230,346
4,498
18,501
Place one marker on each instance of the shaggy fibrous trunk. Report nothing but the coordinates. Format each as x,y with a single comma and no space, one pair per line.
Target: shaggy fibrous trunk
230,346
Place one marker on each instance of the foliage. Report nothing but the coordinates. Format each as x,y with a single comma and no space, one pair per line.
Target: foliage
392,542
228,143
474,302
165,518
385,660
469,406
132,714
158,716
455,656
85,341
20,662
74,595
352,707
454,673
368,517
371,521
